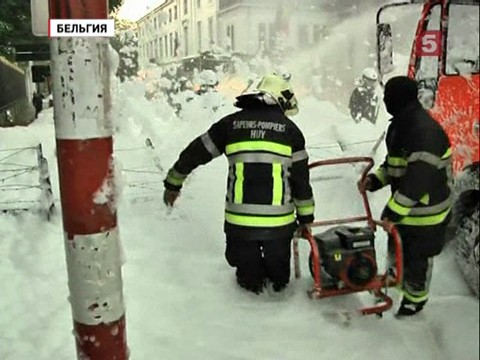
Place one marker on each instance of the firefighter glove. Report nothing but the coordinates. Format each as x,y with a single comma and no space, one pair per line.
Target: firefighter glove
170,196
304,228
365,184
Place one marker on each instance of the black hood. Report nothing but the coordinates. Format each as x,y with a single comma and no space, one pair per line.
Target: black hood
248,101
255,100
400,91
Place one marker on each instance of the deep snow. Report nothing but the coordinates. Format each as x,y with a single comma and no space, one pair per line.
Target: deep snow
182,301
181,298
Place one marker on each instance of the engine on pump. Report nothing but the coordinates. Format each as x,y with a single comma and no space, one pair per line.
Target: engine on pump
347,257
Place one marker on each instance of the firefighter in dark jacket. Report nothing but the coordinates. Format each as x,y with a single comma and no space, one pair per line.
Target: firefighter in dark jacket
418,170
268,190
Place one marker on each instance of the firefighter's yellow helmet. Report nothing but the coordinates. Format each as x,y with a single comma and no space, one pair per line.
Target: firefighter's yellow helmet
281,90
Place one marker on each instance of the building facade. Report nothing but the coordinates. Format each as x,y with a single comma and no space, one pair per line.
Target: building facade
183,28
177,29
251,26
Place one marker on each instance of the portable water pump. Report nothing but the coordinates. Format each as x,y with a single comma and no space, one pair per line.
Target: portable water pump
342,259
347,256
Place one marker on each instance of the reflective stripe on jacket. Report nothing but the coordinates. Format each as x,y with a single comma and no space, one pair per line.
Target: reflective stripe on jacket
417,168
268,183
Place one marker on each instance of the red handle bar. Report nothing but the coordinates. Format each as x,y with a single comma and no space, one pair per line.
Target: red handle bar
349,160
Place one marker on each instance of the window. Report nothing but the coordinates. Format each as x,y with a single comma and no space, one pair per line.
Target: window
165,41
170,15
199,35
230,37
210,31
462,40
160,45
185,7
185,39
175,12
199,3
427,65
176,45
170,36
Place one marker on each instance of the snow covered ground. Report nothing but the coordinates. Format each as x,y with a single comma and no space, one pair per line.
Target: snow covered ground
181,297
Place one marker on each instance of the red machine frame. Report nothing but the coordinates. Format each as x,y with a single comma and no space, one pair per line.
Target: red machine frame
381,281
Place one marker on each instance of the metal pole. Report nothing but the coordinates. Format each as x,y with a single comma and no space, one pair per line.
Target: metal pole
82,113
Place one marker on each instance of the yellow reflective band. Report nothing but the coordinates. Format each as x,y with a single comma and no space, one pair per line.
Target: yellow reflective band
300,203
447,154
175,178
238,199
397,161
380,174
305,210
259,146
277,184
259,221
425,199
399,209
425,220
174,181
422,296
396,172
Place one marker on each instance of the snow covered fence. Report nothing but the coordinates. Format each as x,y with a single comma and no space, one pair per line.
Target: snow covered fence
25,184
47,203
142,173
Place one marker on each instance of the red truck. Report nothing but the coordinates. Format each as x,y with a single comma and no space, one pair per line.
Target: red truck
445,61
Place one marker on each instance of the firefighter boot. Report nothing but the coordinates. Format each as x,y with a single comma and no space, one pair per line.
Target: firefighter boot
409,308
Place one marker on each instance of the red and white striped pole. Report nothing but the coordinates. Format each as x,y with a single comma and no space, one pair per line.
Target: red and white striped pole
82,112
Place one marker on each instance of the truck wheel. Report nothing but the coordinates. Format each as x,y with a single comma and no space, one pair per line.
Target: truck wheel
467,250
465,225
466,193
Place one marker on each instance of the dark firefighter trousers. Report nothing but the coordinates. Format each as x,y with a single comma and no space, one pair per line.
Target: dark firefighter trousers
420,244
260,261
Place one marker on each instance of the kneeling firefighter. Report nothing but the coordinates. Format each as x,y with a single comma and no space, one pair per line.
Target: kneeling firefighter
268,190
